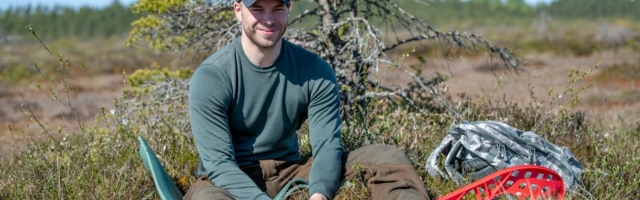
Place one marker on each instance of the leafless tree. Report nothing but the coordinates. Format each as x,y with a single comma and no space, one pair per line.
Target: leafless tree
345,36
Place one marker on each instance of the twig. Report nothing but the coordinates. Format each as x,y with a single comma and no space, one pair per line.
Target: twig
65,83
26,106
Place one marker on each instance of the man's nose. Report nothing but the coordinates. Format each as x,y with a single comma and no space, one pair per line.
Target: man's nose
268,18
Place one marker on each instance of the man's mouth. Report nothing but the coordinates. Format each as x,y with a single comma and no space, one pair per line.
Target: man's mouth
268,31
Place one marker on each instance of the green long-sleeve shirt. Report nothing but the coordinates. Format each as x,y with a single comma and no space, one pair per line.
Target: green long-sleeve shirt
241,113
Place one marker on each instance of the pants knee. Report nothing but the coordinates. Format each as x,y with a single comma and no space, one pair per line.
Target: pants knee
383,154
211,192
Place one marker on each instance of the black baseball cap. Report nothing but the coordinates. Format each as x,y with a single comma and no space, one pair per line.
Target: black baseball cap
248,3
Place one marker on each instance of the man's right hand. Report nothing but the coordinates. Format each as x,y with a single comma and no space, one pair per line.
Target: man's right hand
318,196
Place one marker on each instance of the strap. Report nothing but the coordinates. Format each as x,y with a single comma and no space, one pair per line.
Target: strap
488,135
492,154
449,163
290,187
481,173
432,161
565,171
480,162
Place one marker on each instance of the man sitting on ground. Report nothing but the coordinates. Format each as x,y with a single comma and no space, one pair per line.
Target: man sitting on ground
246,103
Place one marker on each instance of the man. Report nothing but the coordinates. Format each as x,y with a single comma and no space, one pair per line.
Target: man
248,99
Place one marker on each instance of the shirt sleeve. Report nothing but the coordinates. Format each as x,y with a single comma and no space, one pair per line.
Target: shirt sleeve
210,94
324,129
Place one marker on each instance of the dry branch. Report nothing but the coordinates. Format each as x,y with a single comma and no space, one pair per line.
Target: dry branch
345,37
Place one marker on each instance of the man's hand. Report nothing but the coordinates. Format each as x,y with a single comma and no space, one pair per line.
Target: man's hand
318,196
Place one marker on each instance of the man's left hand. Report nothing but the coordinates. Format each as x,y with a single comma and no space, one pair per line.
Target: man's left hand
318,196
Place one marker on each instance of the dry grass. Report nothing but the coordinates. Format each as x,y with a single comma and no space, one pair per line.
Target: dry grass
95,79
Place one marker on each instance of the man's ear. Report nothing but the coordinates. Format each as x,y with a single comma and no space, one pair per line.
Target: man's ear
237,10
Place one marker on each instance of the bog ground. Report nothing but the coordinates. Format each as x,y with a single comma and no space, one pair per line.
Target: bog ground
613,97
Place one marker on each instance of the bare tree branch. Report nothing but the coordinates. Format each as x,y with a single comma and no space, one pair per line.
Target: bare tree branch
344,37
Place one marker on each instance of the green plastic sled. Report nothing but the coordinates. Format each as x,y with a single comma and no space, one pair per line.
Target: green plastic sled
167,190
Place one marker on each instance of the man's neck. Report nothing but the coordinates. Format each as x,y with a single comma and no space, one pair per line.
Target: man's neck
261,57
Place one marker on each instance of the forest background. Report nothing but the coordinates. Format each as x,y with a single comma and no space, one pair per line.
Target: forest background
556,40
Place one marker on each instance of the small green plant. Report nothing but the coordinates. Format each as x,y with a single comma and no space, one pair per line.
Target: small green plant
562,103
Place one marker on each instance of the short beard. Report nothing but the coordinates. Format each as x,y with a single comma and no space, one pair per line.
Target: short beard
252,36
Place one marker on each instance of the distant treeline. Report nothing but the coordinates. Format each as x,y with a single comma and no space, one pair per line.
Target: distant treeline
116,18
58,22
442,11
594,9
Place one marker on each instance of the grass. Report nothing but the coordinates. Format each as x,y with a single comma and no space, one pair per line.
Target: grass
628,71
100,56
101,161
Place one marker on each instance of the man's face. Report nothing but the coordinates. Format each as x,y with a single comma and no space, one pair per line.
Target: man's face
264,22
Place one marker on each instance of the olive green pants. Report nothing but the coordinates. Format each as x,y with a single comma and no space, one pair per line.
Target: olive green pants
386,170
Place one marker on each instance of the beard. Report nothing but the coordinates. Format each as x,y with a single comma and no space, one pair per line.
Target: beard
261,41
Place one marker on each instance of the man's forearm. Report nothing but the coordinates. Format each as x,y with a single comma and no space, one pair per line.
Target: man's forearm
325,173
324,130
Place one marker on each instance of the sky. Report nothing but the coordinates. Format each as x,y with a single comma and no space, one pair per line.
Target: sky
4,4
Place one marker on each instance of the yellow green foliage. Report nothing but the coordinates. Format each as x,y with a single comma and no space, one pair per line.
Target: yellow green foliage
226,15
156,6
147,22
151,27
155,74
